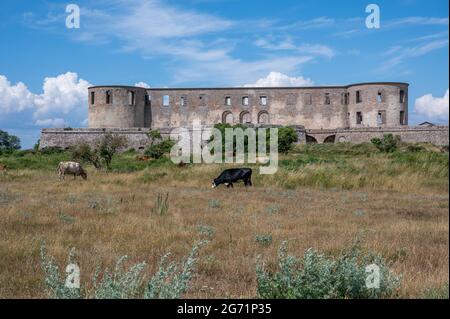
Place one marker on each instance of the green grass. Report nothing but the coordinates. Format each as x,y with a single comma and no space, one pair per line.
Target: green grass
341,166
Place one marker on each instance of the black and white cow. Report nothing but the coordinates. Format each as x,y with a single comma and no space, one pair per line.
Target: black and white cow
230,176
73,168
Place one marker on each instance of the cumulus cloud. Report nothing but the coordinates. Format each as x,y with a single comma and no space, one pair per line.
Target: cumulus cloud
63,95
14,98
435,108
52,122
275,79
142,85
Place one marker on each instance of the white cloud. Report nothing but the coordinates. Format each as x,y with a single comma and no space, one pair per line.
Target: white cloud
434,108
142,85
51,122
14,98
275,79
63,95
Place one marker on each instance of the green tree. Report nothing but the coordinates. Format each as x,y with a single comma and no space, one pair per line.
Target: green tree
8,142
387,144
102,153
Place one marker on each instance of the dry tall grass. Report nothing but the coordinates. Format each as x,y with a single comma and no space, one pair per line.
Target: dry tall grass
402,217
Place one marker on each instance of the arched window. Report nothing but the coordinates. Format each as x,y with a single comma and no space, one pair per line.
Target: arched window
263,117
227,117
245,118
131,98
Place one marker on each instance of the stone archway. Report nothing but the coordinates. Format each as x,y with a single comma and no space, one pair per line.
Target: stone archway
330,139
310,139
263,117
227,117
245,117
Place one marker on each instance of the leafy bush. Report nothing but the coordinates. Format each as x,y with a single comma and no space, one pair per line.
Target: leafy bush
387,144
51,150
103,152
264,240
170,281
158,146
318,276
287,136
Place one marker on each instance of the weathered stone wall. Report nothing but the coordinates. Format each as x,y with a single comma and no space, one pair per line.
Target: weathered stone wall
311,107
119,112
137,138
438,135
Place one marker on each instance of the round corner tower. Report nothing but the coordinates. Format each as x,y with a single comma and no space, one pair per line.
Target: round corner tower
383,104
118,107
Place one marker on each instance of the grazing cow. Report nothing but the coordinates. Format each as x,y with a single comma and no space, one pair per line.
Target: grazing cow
3,169
230,176
71,168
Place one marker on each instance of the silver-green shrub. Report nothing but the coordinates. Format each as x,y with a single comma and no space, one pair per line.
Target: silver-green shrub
317,276
170,281
55,283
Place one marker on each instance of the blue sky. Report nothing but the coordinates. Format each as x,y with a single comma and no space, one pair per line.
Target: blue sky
45,67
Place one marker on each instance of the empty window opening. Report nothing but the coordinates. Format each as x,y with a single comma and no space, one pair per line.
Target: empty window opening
147,99
327,99
402,118
228,100
380,97
182,101
344,98
166,100
227,117
108,97
131,97
381,117
245,100
402,96
358,97
245,118
92,97
308,99
359,118
263,118
263,100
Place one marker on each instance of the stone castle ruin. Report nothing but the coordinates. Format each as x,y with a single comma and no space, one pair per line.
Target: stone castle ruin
352,113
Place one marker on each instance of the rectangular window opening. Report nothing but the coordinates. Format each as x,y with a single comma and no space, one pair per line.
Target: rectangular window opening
359,118
263,100
245,100
182,101
166,100
402,96
358,97
308,99
327,99
131,98
92,97
379,97
402,118
228,100
381,117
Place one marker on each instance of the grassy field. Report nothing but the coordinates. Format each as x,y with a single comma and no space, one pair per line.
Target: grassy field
323,196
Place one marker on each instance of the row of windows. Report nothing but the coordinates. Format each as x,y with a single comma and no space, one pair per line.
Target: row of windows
381,118
245,117
245,100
